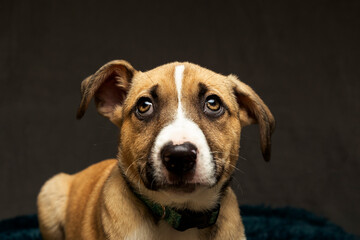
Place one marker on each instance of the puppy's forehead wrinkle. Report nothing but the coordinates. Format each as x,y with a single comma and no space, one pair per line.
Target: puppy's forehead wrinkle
209,78
147,75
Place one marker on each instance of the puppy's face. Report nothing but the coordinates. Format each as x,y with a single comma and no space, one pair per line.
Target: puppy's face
180,126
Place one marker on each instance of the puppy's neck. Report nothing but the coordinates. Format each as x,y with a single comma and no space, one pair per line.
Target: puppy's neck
180,219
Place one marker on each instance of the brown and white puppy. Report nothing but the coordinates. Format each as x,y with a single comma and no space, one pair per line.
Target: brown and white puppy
179,141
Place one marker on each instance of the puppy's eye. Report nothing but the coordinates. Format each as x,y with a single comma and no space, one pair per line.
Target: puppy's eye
144,107
213,106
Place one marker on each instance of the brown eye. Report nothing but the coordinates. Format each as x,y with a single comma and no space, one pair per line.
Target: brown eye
213,106
144,107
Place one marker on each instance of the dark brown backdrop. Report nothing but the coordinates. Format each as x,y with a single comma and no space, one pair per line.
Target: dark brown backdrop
302,57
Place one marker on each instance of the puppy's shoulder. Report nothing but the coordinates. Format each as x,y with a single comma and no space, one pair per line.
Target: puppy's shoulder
84,195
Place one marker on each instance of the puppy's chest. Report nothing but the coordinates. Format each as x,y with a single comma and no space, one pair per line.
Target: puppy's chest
162,232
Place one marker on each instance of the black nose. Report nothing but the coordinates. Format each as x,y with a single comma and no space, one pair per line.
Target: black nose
179,159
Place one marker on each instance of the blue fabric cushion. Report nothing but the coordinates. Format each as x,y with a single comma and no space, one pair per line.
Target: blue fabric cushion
261,223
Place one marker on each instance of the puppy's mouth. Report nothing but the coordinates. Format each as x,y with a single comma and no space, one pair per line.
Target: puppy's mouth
172,183
180,183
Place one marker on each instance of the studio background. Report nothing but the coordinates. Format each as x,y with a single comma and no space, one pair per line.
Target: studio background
301,57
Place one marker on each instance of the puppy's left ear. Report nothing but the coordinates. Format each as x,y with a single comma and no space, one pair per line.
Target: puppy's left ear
109,87
253,110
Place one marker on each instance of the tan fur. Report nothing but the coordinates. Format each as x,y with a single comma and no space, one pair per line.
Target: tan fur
97,203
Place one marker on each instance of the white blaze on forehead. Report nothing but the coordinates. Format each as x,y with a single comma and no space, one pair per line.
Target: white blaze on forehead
183,130
178,75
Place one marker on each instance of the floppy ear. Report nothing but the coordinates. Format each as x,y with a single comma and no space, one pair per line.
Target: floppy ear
109,86
254,110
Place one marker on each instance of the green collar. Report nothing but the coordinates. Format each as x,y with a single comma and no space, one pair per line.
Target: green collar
181,220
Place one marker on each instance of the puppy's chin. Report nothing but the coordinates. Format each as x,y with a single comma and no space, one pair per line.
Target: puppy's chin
180,188
183,184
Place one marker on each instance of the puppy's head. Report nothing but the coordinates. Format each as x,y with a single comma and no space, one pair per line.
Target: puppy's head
180,127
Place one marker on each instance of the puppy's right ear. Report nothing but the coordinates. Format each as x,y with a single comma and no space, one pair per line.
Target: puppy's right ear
109,87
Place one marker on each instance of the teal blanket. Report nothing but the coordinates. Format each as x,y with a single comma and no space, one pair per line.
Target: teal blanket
261,223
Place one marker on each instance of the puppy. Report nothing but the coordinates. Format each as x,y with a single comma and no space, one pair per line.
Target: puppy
179,141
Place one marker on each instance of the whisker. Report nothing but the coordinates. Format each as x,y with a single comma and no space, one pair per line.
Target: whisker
231,165
134,162
243,158
232,155
238,186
